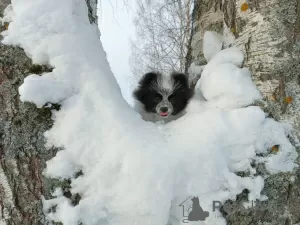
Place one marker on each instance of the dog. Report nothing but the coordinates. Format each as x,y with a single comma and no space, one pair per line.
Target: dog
161,97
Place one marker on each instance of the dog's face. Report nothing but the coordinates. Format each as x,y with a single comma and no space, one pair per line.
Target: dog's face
163,95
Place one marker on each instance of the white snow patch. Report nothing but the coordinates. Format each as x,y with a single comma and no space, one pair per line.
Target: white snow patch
212,44
231,55
49,89
7,200
8,14
134,171
292,179
225,84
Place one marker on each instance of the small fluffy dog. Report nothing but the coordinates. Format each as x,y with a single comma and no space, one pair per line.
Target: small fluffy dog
162,97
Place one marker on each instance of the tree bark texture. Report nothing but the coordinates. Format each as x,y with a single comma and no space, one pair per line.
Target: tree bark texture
22,153
269,34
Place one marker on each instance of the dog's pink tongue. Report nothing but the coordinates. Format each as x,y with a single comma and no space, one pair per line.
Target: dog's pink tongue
164,113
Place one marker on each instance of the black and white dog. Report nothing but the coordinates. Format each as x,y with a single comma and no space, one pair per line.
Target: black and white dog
161,97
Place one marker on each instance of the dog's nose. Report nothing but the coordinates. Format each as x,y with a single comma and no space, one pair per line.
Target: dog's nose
164,109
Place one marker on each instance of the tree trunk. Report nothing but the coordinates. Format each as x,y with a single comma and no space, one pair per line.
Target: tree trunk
22,151
269,34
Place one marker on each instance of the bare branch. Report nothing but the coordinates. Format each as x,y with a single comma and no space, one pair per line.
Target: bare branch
163,31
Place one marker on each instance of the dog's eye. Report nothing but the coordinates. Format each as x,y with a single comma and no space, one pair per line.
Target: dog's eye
172,96
157,97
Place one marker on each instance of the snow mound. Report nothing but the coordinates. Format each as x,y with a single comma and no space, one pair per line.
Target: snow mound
231,55
136,172
212,44
49,89
224,84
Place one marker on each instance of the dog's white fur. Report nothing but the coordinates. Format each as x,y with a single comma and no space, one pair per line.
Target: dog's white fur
152,117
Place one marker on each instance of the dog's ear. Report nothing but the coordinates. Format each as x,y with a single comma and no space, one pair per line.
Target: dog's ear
180,78
148,78
139,94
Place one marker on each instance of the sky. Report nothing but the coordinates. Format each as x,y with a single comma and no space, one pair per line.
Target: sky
116,27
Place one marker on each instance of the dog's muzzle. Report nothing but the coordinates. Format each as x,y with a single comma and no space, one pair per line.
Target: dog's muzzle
164,108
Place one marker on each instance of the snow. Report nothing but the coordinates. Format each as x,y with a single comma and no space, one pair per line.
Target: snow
224,83
228,85
212,44
53,91
137,172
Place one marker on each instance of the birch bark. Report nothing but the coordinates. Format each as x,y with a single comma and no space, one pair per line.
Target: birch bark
269,34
